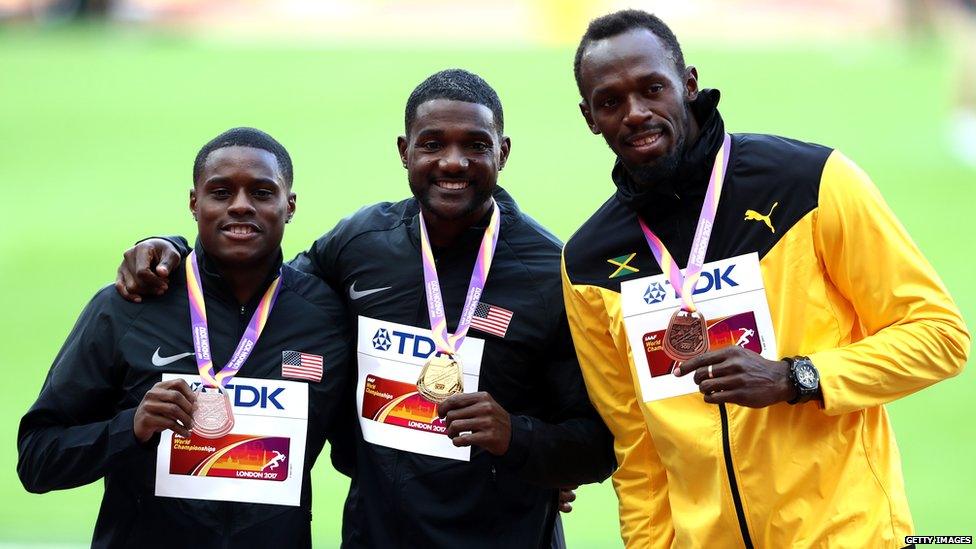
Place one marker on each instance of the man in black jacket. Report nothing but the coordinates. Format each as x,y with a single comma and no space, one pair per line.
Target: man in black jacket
102,409
530,424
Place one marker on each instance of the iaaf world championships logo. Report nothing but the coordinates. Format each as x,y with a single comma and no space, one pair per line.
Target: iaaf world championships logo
710,280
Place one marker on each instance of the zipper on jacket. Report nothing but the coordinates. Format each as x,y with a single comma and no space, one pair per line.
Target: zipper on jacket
733,485
242,322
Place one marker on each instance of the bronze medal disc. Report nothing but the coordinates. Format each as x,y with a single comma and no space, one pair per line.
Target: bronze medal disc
440,378
686,336
213,416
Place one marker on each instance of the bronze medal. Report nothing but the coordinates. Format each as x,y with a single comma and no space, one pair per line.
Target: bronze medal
440,378
686,336
213,416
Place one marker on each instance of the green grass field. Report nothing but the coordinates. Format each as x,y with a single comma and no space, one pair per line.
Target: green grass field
98,131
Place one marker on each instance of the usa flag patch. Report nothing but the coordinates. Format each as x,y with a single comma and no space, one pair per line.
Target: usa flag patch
491,319
299,365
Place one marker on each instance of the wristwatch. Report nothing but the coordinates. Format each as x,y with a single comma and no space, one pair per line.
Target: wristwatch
804,377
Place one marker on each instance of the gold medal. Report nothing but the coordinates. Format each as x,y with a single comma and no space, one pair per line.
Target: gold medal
440,378
213,416
686,336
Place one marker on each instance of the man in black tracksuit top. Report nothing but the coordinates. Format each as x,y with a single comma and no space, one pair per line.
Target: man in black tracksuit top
403,499
82,427
535,429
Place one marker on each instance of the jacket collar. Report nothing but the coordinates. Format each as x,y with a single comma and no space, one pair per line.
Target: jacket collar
215,285
691,178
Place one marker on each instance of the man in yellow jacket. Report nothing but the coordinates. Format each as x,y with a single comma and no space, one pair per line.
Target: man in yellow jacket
720,440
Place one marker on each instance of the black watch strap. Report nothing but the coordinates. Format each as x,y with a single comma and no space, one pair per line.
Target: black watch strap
805,379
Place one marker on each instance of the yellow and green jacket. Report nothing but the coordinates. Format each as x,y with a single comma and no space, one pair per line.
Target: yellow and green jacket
846,286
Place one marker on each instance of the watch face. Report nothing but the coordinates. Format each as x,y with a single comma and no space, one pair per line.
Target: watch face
806,376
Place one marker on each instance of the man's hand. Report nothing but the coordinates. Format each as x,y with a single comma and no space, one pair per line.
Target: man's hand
168,405
145,269
482,420
566,498
739,376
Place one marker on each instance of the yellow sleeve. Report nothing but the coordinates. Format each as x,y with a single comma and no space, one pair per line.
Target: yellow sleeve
640,479
913,333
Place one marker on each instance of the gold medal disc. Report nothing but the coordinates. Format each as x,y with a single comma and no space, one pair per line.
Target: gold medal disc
440,378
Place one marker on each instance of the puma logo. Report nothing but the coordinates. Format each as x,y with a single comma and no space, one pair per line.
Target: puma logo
753,215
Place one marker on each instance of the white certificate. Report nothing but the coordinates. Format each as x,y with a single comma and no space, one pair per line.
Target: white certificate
391,411
731,296
260,461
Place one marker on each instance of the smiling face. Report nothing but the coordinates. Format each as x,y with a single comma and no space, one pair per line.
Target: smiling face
241,204
635,96
453,153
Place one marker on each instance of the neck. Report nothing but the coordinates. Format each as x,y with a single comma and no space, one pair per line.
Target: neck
245,281
443,233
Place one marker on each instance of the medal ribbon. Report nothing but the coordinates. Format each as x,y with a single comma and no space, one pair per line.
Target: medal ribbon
445,342
201,336
684,285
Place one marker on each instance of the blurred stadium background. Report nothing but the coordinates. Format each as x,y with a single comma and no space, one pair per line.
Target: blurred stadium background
104,104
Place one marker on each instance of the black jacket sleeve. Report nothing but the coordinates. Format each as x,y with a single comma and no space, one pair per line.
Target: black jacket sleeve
313,261
178,242
322,256
575,447
333,397
320,260
73,435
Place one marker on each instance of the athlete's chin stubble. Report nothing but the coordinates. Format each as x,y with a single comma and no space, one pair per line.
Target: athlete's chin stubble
665,169
648,175
472,205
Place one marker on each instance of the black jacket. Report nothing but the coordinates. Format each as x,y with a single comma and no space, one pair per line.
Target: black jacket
80,428
402,499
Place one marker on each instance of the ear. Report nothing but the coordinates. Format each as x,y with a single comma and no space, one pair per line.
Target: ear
691,83
292,197
402,146
506,148
588,116
193,202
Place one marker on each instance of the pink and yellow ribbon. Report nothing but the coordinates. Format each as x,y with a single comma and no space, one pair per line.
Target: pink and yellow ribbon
684,284
446,343
201,335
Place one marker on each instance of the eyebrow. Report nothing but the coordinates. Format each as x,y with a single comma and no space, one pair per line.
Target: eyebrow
653,75
219,179
477,134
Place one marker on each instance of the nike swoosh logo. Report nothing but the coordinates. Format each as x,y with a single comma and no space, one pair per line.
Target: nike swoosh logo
354,295
163,361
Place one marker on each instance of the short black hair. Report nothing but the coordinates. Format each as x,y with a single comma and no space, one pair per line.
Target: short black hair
620,22
456,85
245,137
